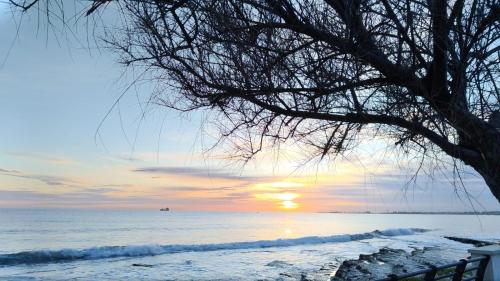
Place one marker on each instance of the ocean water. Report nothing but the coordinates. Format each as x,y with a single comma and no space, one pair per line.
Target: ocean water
152,245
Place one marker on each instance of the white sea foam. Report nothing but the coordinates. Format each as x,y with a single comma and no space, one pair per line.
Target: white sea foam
65,255
400,231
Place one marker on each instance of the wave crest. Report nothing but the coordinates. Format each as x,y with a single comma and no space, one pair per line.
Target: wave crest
65,255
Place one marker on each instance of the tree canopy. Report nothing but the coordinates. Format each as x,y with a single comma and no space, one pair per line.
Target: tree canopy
421,72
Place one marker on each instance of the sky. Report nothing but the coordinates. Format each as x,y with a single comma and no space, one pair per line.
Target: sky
66,144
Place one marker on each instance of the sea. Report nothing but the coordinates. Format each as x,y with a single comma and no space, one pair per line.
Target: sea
69,244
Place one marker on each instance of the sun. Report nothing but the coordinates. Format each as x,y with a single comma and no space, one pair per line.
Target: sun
289,205
284,200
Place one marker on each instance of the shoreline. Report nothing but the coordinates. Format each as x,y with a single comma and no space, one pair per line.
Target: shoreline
486,213
388,261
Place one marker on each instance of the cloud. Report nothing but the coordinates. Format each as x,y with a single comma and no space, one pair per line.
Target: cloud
3,171
42,157
87,197
122,157
197,188
197,172
234,197
47,179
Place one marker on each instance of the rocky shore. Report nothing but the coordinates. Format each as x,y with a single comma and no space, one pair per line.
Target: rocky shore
395,261
390,261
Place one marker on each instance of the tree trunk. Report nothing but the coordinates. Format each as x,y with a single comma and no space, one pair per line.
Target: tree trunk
492,157
490,166
493,182
481,137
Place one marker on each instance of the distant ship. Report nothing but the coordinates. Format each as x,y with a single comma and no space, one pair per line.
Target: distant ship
165,209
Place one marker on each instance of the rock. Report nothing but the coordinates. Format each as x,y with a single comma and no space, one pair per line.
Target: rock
279,264
142,265
390,261
477,243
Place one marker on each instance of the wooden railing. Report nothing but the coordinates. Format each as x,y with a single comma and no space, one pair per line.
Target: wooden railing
471,269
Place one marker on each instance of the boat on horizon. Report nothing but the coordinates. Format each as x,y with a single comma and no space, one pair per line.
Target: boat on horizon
165,209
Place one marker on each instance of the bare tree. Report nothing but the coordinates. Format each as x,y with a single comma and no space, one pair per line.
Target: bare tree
422,72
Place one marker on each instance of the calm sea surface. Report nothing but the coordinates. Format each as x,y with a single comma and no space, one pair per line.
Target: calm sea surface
153,245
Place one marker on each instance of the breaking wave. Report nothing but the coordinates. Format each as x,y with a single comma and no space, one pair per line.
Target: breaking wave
65,255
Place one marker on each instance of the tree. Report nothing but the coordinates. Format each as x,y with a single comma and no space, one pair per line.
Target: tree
423,73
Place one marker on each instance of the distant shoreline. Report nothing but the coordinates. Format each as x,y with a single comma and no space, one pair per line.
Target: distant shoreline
488,213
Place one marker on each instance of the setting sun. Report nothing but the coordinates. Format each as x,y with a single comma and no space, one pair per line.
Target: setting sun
287,204
284,200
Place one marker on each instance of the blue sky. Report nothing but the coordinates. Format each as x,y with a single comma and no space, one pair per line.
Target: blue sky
55,92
